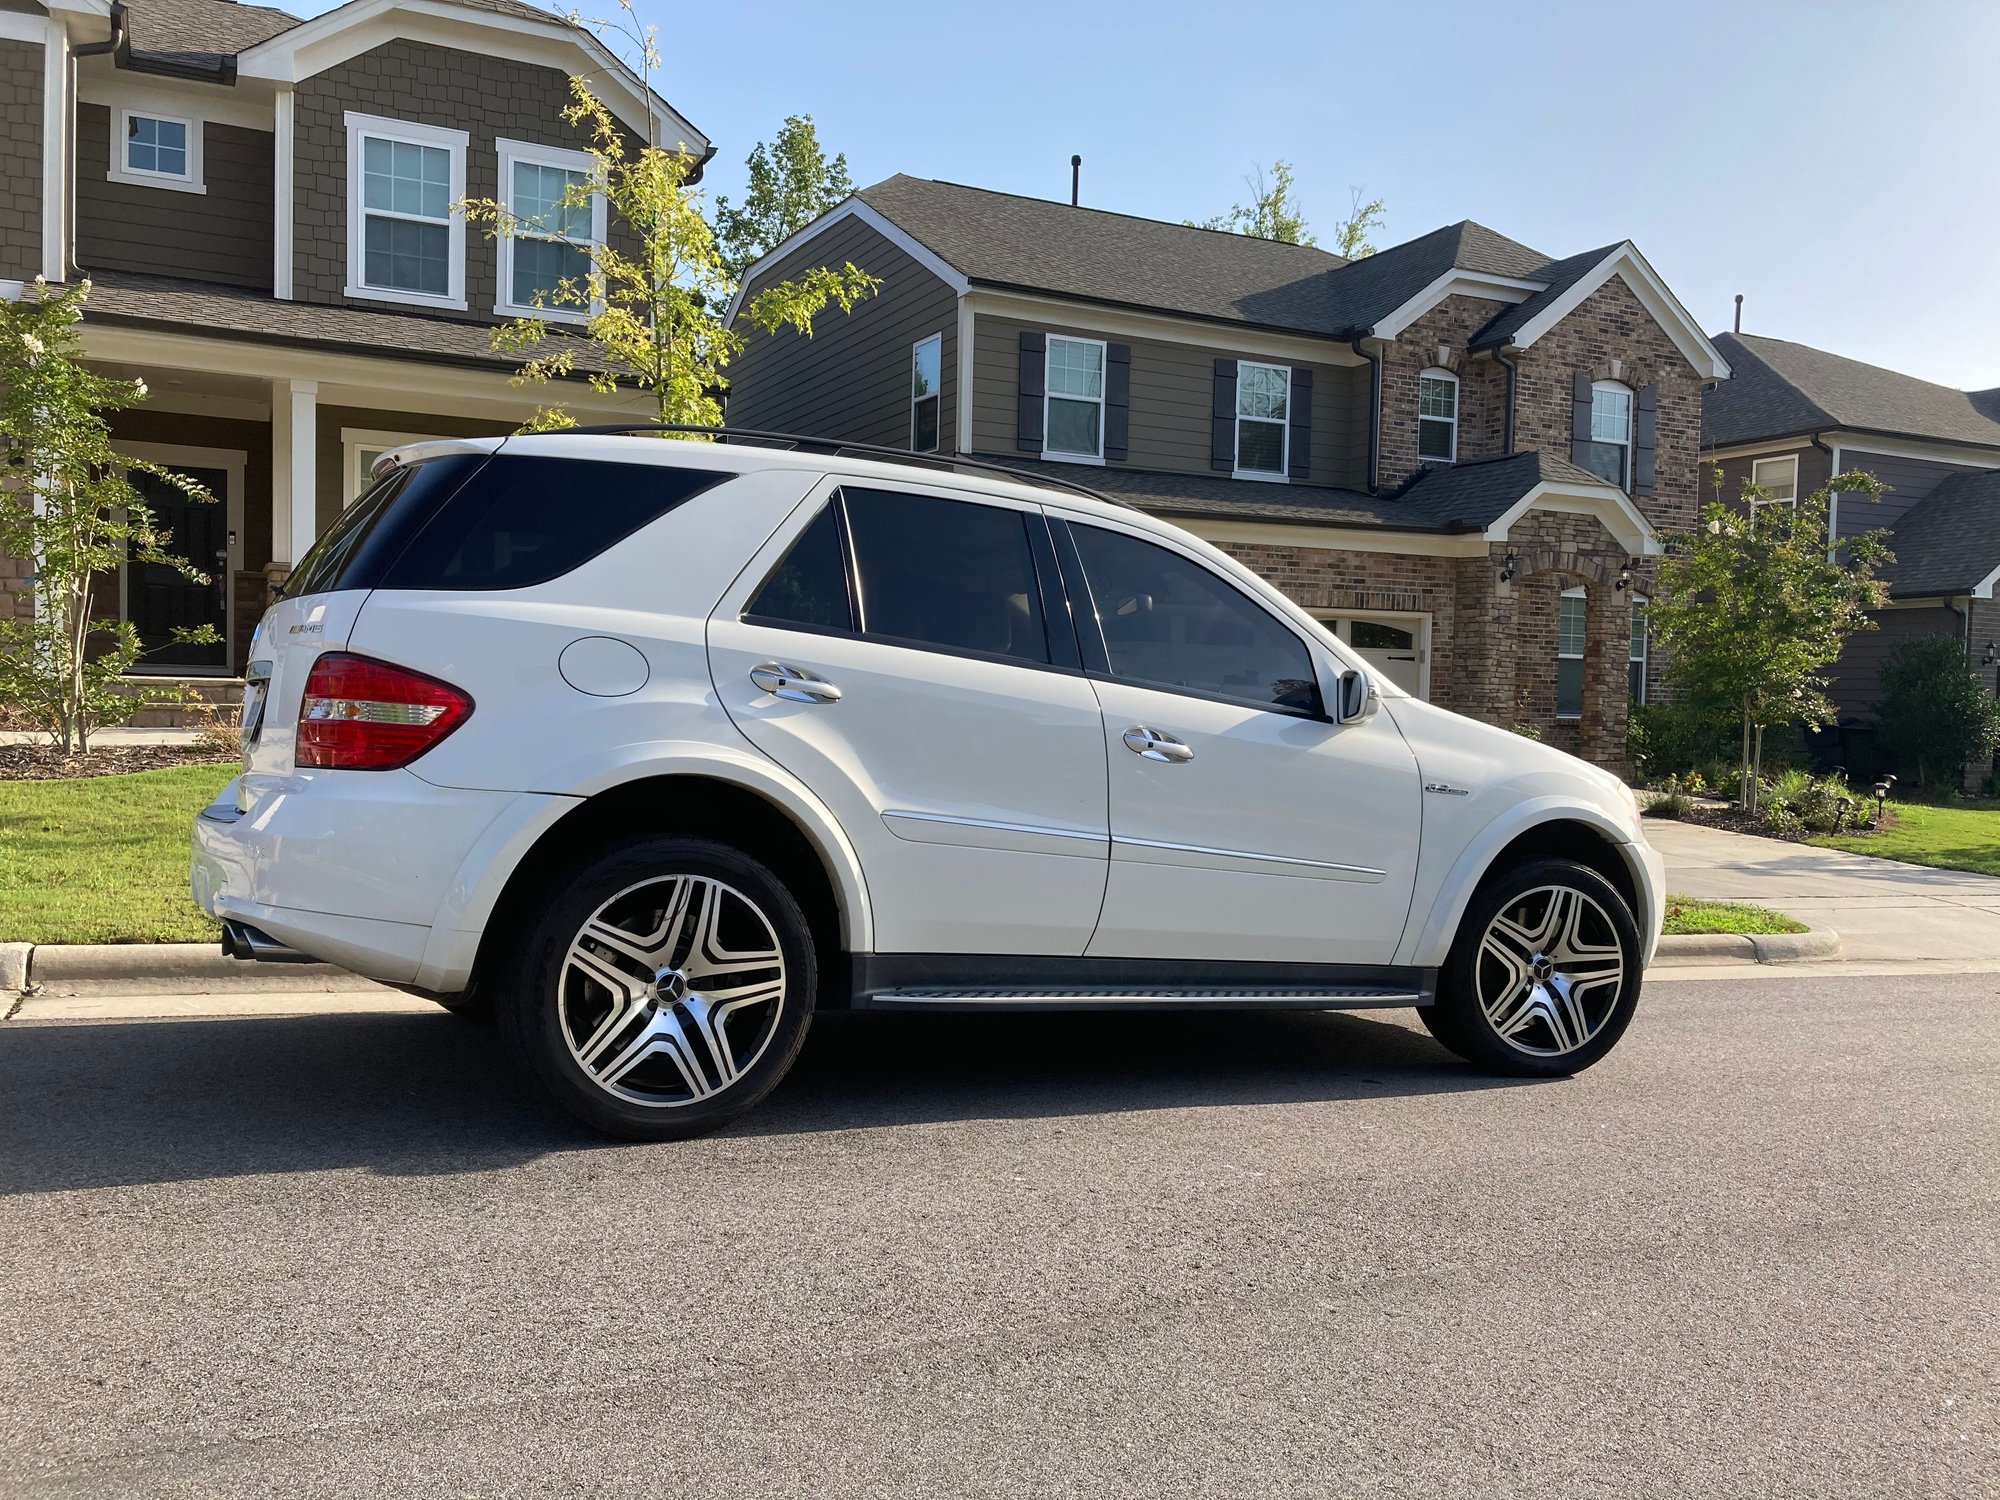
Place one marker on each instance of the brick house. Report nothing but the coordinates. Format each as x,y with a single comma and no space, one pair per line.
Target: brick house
1793,417
1459,452
264,206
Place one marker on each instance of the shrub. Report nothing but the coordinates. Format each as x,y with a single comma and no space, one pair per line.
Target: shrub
1935,716
1674,739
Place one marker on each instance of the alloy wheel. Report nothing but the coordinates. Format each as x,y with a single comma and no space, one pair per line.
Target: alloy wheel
671,991
1550,970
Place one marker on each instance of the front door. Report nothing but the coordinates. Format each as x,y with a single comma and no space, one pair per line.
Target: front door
1392,646
159,600
1244,824
891,650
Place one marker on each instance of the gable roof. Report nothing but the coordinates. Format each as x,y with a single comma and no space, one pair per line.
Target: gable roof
1780,389
195,36
1559,277
1949,541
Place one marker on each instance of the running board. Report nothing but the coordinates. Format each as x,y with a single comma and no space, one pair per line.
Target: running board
1335,997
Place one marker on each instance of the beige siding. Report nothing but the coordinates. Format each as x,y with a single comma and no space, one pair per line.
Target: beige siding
851,379
223,235
1172,395
20,159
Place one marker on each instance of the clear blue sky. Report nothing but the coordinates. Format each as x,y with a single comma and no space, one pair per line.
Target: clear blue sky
1836,163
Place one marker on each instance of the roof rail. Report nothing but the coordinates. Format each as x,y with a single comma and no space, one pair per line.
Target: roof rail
837,448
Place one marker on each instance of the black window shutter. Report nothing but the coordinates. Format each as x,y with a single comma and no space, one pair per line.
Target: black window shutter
1117,401
1645,438
1222,426
1028,408
1300,410
1579,420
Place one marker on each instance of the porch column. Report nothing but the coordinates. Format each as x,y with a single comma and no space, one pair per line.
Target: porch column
294,469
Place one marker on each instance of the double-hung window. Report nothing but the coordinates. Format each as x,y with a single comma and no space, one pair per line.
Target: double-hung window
1778,478
405,235
1609,454
1571,629
1073,419
554,225
1263,419
926,376
1437,416
154,150
1635,655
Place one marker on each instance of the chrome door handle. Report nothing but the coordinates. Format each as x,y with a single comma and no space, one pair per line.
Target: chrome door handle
794,684
1150,744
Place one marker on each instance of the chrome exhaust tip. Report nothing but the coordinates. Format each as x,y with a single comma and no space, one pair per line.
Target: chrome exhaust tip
241,940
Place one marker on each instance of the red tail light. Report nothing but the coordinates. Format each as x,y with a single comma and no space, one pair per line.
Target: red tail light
365,715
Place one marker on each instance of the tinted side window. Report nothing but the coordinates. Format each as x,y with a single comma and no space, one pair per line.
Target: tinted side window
522,520
1172,623
378,525
946,573
810,586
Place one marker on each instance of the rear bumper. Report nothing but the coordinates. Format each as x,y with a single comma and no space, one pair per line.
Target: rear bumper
359,867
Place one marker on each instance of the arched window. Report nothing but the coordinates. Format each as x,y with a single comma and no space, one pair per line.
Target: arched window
1609,452
1437,416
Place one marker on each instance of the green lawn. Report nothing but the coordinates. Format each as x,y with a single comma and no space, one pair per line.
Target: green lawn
103,859
1686,916
1957,836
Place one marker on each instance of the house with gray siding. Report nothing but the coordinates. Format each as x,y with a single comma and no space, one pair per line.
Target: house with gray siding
1794,416
267,210
1460,452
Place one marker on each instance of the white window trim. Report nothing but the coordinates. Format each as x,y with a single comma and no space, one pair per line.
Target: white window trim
454,141
1562,655
1436,373
1103,378
938,394
1632,423
570,161
352,441
189,181
1790,460
1644,641
1283,473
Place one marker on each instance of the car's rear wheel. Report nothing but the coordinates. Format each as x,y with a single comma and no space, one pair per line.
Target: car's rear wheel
664,991
1543,976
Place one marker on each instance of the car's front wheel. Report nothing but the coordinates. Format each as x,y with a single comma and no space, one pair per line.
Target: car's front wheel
1543,976
664,991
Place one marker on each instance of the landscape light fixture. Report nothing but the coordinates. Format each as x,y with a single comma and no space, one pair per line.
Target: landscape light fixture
1882,796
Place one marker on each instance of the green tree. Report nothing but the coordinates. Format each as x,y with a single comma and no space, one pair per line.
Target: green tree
68,503
652,319
1936,716
1271,213
1753,607
1350,235
791,184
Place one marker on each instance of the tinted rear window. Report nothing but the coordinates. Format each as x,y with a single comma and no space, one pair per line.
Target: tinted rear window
470,522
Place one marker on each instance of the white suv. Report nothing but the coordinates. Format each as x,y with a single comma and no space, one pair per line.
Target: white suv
657,747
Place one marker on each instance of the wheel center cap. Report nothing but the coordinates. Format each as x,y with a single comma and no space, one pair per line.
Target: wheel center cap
1543,968
670,985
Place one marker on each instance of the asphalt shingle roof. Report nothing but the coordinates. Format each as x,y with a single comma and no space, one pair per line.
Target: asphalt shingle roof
1561,276
1778,388
1468,496
197,34
1036,244
1949,541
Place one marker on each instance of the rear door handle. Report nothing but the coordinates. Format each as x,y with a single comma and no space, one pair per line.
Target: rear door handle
1150,744
794,684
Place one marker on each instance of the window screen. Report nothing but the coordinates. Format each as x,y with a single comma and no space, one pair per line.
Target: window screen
946,573
810,586
1171,622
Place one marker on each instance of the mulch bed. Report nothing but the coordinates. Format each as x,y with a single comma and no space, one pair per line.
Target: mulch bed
47,763
1728,816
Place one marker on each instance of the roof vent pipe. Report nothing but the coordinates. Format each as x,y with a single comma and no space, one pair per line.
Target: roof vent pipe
111,43
1075,180
1739,312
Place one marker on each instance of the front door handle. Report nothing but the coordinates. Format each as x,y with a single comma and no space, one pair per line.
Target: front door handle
1150,744
793,684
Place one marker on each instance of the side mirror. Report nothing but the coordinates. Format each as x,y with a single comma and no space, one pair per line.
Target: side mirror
1354,697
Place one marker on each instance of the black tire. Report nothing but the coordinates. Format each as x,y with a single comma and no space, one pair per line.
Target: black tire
543,1000
1460,1020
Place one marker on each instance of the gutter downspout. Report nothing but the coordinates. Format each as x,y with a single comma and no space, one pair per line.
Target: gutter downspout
1374,359
112,43
1507,424
1832,500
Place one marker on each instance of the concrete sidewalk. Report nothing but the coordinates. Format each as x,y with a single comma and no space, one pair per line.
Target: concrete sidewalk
1883,910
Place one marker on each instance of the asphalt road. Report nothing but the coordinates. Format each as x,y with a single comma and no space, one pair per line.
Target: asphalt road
1753,1253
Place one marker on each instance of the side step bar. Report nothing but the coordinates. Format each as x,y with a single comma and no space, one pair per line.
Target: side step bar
972,982
241,940
1334,999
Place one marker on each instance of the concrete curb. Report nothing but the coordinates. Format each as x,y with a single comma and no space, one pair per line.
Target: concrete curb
1740,948
158,969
